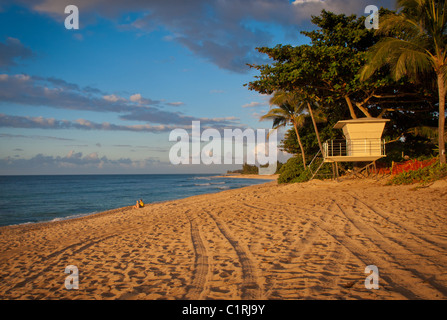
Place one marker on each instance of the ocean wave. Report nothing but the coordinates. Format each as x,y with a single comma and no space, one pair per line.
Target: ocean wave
74,216
202,184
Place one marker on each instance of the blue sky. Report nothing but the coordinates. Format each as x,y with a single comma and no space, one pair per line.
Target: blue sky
104,98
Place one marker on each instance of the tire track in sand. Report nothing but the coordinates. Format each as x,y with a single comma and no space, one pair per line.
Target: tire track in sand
379,253
441,246
399,253
299,249
303,254
58,254
250,288
198,288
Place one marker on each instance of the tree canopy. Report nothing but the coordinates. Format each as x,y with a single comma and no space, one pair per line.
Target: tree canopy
328,72
415,46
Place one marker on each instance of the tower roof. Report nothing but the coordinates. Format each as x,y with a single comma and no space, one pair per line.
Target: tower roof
340,124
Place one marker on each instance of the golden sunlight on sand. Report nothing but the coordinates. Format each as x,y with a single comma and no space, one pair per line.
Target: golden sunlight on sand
298,241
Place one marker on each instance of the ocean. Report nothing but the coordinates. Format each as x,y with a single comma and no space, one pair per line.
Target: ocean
31,199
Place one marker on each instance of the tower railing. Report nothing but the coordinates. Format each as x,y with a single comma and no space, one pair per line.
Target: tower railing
353,147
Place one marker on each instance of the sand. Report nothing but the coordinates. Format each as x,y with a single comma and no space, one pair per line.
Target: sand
270,241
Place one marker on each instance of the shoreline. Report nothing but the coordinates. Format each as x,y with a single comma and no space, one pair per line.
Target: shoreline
265,241
81,215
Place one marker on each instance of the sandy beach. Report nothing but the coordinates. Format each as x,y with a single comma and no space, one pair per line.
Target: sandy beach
269,241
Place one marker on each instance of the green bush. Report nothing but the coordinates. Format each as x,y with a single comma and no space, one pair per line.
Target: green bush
290,170
425,175
293,171
249,169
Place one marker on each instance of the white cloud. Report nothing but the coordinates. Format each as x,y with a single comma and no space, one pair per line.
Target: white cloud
113,98
252,104
298,2
135,97
176,104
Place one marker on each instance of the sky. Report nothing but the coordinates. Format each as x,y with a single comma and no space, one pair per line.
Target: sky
104,98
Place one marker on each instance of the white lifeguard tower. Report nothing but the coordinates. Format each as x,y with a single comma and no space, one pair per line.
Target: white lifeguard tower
363,142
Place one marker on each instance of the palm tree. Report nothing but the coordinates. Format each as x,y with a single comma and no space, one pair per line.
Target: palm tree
318,117
285,114
295,99
417,48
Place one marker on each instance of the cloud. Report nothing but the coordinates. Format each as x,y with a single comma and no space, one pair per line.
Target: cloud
224,33
57,93
13,50
175,104
252,104
135,97
142,101
176,118
13,121
113,98
38,137
76,161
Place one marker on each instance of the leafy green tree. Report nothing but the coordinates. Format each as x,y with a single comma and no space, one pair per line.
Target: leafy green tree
327,71
415,46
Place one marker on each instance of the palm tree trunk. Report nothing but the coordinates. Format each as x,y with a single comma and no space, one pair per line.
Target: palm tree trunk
301,145
315,127
441,123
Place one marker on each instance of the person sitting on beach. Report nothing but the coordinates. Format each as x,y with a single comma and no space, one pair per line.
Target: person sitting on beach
137,205
141,203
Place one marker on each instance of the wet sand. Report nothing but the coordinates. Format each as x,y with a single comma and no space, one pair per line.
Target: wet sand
269,241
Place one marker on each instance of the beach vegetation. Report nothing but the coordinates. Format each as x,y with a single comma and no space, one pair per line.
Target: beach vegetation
249,169
423,175
292,171
345,72
414,46
253,169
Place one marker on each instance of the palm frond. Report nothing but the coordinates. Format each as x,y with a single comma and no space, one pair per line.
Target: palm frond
404,58
412,63
393,24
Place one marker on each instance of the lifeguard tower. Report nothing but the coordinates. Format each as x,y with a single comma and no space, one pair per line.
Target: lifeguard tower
363,142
